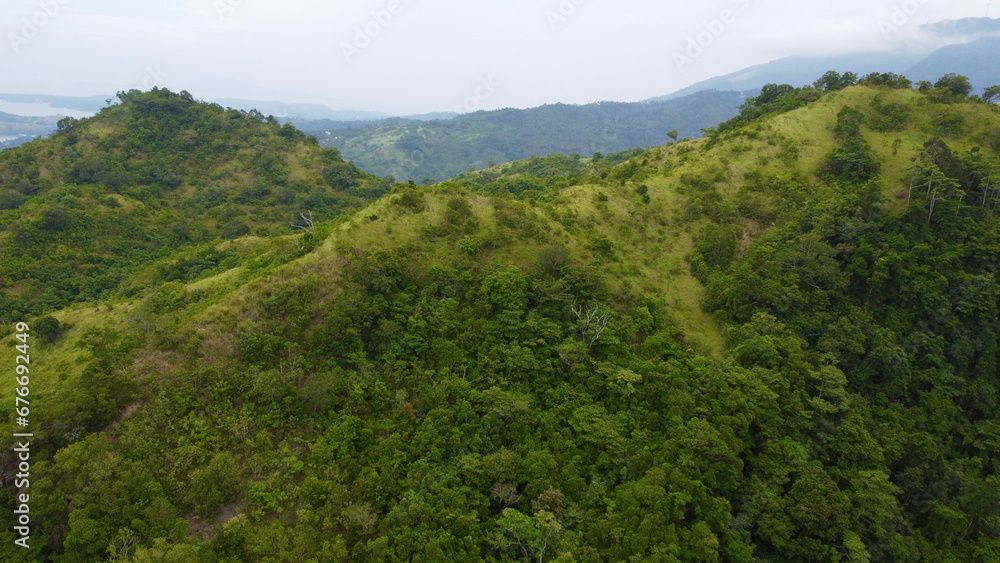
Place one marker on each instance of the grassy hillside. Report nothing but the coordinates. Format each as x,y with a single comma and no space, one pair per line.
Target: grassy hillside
763,345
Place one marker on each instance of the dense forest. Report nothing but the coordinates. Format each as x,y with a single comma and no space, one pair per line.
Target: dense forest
429,151
778,342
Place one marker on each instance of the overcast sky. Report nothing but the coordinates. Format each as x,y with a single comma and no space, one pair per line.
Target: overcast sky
413,56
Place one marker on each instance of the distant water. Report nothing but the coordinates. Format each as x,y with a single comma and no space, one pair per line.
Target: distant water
40,110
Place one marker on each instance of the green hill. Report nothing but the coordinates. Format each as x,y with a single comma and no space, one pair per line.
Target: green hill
155,178
776,343
425,151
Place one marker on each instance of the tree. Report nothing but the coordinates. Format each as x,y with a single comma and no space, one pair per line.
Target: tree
48,328
532,535
832,81
992,94
673,135
55,218
591,321
215,485
957,84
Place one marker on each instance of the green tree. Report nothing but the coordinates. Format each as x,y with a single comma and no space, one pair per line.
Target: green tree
532,536
957,84
991,94
48,328
214,485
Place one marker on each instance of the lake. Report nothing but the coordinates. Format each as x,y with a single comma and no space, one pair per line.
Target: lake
40,110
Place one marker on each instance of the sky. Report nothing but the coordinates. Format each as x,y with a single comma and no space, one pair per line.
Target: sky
415,56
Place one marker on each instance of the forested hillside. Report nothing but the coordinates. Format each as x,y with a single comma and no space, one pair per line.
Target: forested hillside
155,177
426,151
775,343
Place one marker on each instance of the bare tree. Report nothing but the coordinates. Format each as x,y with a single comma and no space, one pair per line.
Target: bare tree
120,547
592,321
309,226
505,493
361,514
913,177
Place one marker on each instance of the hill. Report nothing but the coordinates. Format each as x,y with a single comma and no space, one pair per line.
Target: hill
156,175
775,343
435,150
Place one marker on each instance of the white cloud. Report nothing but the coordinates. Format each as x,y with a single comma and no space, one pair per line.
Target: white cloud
431,54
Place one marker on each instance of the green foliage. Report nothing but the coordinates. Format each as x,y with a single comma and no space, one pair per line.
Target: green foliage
411,200
958,85
853,162
48,328
214,485
832,81
950,88
715,249
886,80
879,307
991,95
888,116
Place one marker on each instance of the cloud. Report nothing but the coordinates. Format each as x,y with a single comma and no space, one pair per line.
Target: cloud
432,53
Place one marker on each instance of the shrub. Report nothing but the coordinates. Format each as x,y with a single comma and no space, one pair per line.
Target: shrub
55,218
235,229
411,200
48,328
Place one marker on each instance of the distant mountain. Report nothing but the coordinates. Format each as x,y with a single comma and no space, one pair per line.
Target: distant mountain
799,71
300,111
967,28
432,116
439,149
16,129
977,60
13,142
971,46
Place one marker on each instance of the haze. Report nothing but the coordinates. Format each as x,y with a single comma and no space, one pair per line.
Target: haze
406,56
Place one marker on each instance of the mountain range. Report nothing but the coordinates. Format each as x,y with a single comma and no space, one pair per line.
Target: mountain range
436,146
